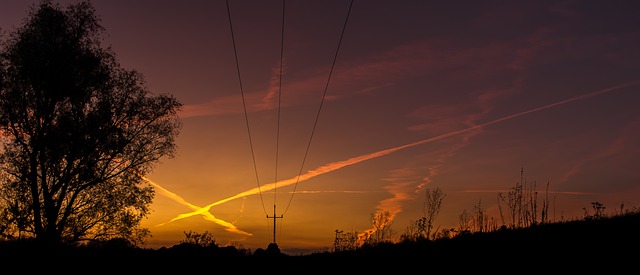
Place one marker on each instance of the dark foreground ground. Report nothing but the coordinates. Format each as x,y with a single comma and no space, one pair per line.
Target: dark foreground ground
607,245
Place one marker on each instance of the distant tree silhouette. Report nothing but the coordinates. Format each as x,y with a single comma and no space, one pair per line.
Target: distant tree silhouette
381,232
272,250
345,241
199,239
522,205
78,132
432,206
465,221
423,227
598,211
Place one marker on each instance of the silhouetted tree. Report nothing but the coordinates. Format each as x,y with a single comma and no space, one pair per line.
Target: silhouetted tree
422,228
465,221
413,231
199,239
272,250
78,132
598,211
432,205
481,221
381,221
345,241
522,204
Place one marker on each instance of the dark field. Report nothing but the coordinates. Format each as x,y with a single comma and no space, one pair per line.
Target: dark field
606,245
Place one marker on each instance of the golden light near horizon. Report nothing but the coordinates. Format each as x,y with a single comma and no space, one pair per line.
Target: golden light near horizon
205,211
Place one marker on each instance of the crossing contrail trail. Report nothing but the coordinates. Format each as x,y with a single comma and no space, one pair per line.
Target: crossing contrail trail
341,164
208,216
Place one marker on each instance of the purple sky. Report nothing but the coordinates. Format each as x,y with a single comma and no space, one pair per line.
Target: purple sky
464,94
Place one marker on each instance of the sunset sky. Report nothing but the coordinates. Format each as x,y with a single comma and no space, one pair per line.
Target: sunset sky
456,95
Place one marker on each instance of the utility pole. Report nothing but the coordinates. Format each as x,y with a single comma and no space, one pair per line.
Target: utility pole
274,217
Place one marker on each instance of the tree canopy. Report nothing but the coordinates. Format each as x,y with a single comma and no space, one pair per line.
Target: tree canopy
78,132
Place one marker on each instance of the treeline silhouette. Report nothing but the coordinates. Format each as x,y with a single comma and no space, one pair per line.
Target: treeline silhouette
592,237
526,238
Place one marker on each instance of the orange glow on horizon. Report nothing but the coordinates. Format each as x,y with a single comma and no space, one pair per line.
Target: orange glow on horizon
340,164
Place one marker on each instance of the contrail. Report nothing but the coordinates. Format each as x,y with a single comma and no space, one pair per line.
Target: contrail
341,164
208,216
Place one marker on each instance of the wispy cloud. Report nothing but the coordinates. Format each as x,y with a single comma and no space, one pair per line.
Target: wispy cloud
626,139
360,77
434,57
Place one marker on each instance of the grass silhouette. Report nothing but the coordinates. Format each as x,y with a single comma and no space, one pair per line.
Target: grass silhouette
578,243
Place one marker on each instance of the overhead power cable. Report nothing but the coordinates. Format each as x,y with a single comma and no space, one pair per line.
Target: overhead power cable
344,27
244,105
279,111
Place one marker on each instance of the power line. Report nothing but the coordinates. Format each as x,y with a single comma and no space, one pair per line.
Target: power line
275,181
344,27
279,100
244,105
274,217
